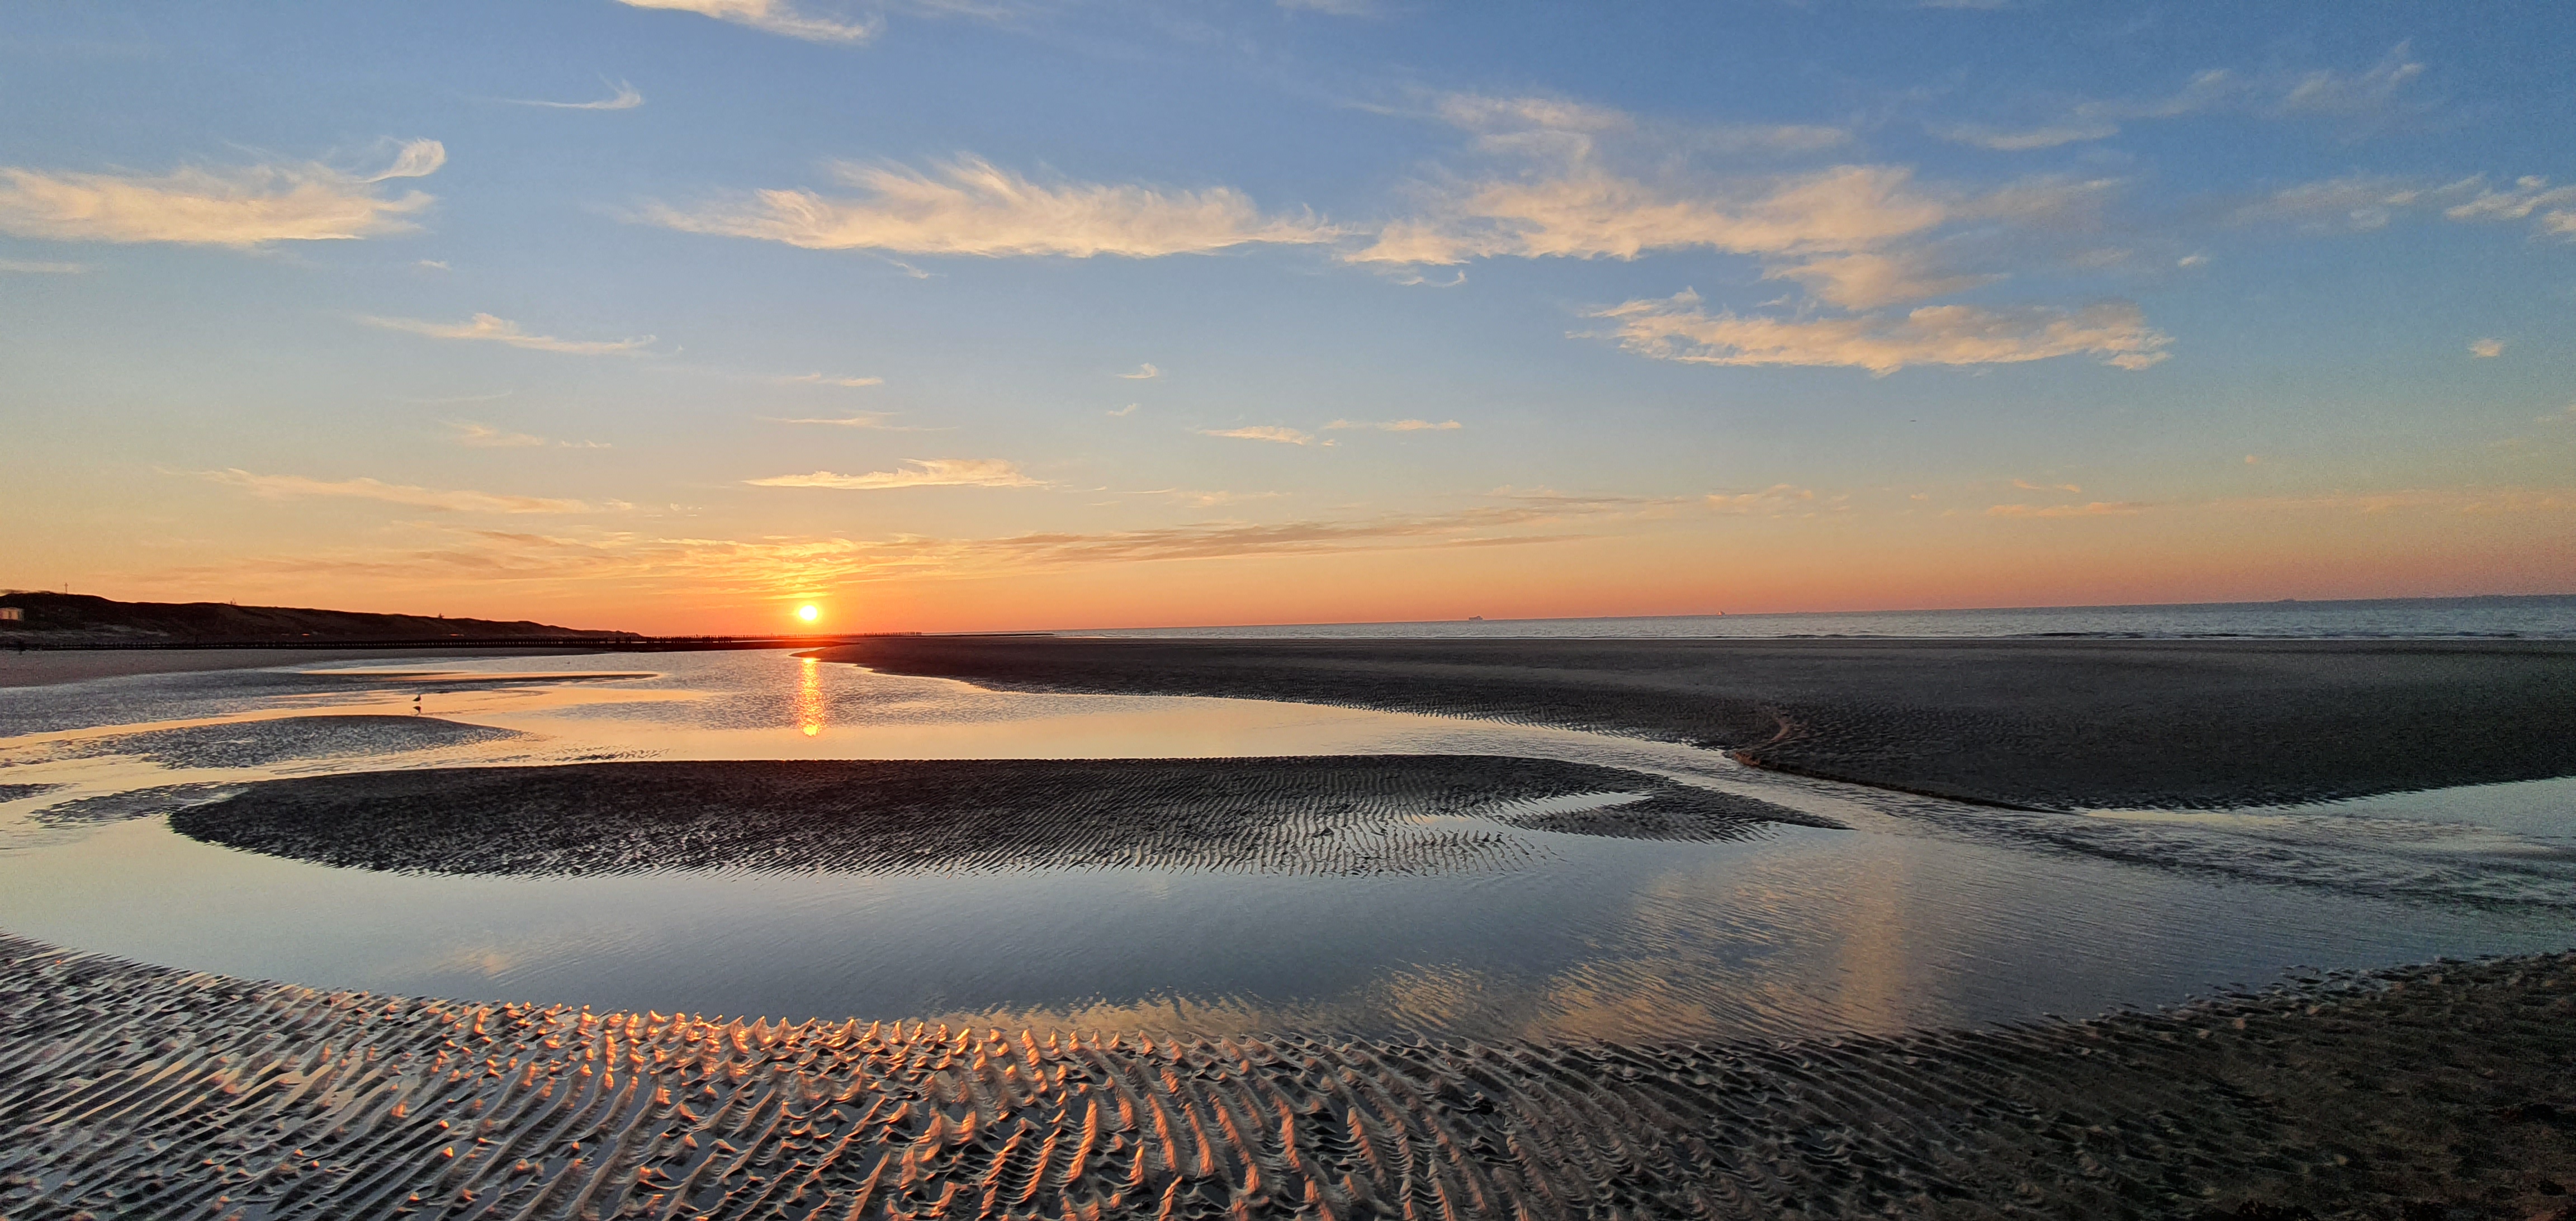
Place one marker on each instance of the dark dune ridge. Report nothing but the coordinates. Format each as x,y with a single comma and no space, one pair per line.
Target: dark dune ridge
1358,814
142,1092
69,620
2038,724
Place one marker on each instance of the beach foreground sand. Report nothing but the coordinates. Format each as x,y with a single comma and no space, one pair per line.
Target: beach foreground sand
2049,724
136,1091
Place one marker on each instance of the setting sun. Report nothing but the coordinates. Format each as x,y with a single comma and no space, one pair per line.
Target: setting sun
809,612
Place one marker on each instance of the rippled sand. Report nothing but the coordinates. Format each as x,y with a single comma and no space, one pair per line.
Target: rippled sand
1355,815
134,1091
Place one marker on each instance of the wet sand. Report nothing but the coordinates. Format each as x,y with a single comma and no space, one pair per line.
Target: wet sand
2040,724
136,1091
45,667
1353,815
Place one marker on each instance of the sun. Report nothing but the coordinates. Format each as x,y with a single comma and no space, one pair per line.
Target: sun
809,612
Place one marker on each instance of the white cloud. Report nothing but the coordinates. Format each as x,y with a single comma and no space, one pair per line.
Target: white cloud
817,379
772,16
2352,95
2028,486
2363,202
24,267
484,436
1560,128
1590,213
874,420
1593,182
2556,206
1677,329
2360,96
502,330
240,206
1261,432
2486,347
289,487
1870,279
2358,202
971,207
623,97
921,473
2028,139
1143,373
2099,508
1129,409
1397,425
1778,500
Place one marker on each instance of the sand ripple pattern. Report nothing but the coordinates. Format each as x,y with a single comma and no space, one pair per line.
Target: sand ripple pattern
1352,815
142,1092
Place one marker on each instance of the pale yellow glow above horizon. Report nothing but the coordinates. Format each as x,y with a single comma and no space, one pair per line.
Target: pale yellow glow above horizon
809,612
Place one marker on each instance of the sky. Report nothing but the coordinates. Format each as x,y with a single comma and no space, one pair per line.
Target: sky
953,315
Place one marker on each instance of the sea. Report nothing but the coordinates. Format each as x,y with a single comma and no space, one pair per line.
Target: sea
2534,617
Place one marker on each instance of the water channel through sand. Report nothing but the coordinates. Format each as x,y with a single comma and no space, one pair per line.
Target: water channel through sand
1895,913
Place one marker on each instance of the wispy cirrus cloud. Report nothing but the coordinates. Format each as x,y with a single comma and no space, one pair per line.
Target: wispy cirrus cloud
1778,500
915,473
969,206
1676,328
2098,508
1396,425
622,96
2371,95
502,330
2486,348
1263,432
234,206
818,379
772,16
2555,207
2363,202
1144,373
34,268
878,421
484,436
296,487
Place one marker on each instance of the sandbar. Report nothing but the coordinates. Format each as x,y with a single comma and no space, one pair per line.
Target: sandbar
2037,724
1350,815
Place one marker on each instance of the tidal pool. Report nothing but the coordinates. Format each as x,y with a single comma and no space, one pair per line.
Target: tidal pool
1908,912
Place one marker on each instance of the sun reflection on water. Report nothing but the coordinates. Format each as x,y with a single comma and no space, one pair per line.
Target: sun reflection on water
809,697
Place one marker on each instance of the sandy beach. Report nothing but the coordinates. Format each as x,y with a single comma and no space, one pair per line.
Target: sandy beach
135,1091
2439,1090
2045,724
46,667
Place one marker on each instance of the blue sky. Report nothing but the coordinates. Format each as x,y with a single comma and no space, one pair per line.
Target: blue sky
1501,309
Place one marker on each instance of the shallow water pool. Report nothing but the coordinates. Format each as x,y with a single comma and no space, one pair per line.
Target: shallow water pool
1916,913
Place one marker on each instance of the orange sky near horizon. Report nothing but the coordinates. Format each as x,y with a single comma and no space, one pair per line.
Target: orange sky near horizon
1680,565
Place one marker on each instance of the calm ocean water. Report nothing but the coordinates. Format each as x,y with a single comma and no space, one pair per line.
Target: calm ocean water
2550,617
